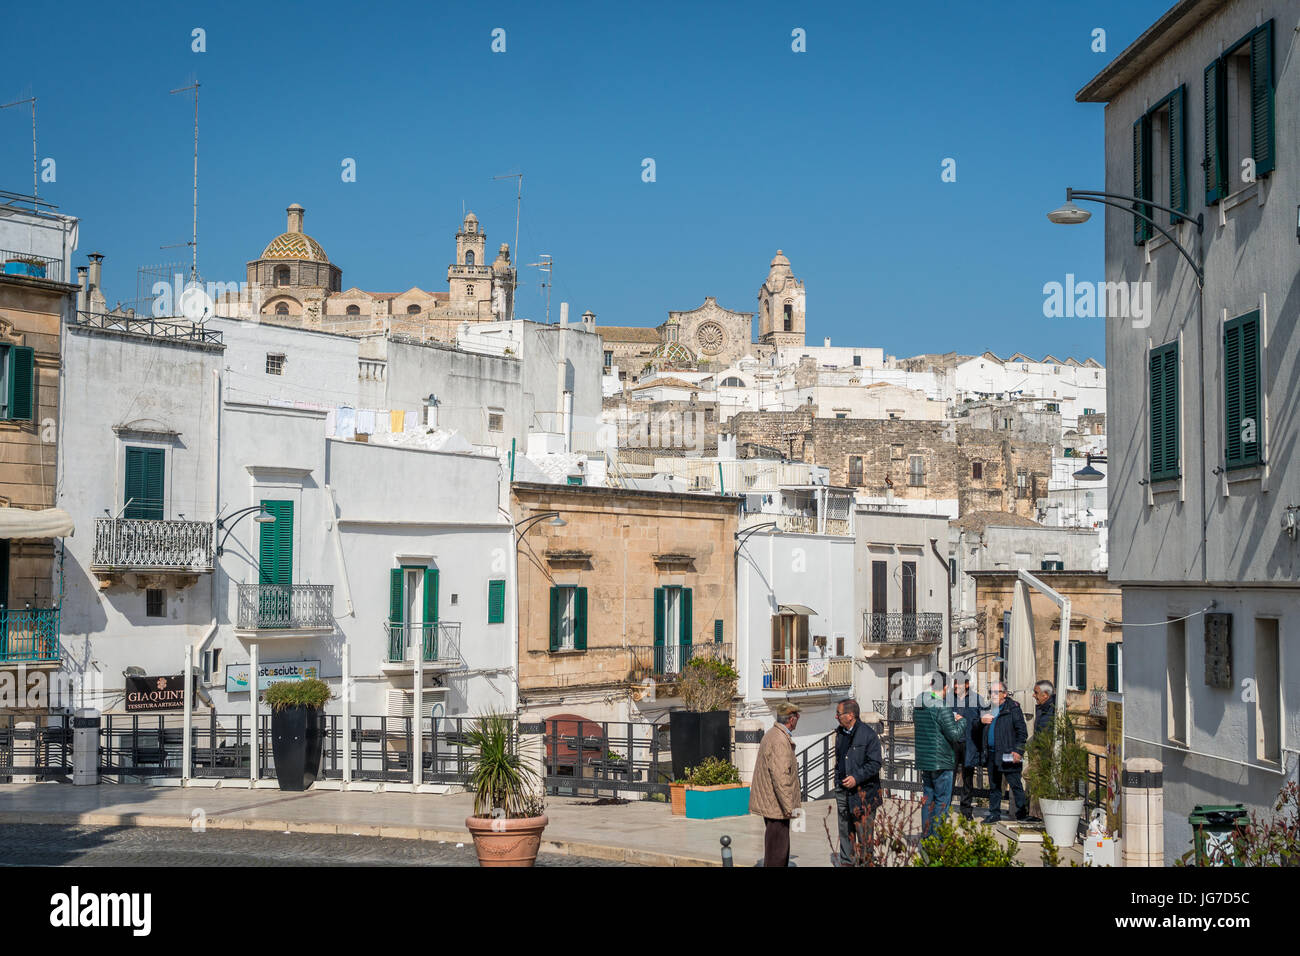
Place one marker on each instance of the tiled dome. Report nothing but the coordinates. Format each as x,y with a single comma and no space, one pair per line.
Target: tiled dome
673,354
295,245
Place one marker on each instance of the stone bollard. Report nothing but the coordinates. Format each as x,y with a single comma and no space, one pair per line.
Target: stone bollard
85,747
24,756
1144,812
749,734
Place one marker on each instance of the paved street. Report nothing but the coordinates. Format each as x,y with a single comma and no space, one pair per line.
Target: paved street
57,845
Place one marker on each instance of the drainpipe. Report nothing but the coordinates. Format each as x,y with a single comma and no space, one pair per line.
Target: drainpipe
337,538
216,505
934,546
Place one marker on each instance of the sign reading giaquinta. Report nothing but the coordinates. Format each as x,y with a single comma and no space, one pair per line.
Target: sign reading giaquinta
155,693
105,910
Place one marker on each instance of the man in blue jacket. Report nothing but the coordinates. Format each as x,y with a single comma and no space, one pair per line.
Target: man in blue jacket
857,779
966,704
1005,735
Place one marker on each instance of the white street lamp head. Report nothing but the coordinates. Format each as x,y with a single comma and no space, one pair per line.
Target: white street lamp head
1069,215
264,517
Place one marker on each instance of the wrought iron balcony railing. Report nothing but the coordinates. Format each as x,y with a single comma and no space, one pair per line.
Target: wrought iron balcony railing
285,606
879,627
807,524
29,635
29,265
668,660
892,711
172,328
134,544
439,642
812,674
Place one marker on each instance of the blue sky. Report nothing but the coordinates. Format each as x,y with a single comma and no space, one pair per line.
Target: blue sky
833,155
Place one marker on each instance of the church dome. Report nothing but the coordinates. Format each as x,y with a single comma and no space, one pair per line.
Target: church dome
294,243
673,355
780,260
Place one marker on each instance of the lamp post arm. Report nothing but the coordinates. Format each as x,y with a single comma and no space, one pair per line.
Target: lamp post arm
1200,274
1094,193
225,524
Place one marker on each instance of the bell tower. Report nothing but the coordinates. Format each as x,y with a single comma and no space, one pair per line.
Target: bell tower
781,305
469,278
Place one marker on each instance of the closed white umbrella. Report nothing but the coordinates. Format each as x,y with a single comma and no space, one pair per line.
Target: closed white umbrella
22,523
1021,668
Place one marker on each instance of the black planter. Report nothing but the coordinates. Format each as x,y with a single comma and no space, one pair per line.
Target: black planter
297,738
697,736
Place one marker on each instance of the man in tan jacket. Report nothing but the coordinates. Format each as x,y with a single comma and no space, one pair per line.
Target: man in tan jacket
774,791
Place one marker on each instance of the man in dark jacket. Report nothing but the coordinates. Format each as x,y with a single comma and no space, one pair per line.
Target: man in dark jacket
857,779
938,733
966,704
1005,734
1044,705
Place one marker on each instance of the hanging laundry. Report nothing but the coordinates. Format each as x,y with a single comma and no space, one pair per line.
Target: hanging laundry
365,421
382,420
346,423
331,417
397,420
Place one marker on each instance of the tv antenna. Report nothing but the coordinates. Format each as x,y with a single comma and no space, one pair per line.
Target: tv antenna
514,250
35,165
545,266
194,241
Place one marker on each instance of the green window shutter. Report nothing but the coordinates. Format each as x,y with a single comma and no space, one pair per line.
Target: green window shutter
1112,667
1141,176
1178,152
1232,393
1241,391
580,619
1163,372
430,595
1081,664
1155,365
557,599
275,544
1261,100
686,629
395,595
1056,661
660,615
496,602
717,631
144,483
1216,175
22,383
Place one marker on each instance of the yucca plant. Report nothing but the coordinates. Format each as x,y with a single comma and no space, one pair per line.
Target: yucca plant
498,775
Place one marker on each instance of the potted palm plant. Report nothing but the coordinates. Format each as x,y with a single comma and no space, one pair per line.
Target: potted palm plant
703,729
509,807
297,730
1056,770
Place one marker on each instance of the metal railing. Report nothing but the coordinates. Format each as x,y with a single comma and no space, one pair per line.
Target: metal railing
668,660
811,674
43,751
29,635
173,328
898,627
892,711
439,642
583,756
14,263
807,524
137,544
289,606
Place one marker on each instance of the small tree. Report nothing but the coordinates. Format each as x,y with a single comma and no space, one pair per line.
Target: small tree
1057,764
965,844
708,684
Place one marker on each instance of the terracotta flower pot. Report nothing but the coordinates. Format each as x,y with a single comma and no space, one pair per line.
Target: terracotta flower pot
503,841
678,791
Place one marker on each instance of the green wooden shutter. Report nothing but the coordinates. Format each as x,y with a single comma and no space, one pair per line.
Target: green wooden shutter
1112,667
1163,372
661,600
1157,413
395,602
1241,390
717,631
1178,152
686,629
1261,100
1056,662
1081,664
430,595
275,544
1141,176
496,602
144,483
557,597
580,619
22,383
1216,175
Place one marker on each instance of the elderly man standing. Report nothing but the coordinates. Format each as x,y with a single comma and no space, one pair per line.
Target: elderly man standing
774,791
857,778
1005,736
1044,705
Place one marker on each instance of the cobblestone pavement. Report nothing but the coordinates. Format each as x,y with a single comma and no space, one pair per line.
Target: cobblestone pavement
54,845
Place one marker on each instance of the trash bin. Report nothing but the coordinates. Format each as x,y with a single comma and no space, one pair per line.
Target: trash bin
1212,827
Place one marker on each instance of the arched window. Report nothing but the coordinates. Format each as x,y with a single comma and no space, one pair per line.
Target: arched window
469,257
282,309
412,310
281,275
354,310
732,382
789,317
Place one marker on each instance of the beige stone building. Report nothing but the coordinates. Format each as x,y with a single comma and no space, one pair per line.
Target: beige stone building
1096,637
614,603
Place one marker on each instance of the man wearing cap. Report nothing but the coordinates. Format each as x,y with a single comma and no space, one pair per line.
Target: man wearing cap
774,790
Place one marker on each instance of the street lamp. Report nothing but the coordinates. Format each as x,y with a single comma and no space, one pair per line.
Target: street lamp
743,536
1089,473
555,522
262,517
1071,215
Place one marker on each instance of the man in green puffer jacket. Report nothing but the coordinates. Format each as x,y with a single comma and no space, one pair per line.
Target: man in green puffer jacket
938,732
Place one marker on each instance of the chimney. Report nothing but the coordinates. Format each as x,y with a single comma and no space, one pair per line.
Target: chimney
564,313
81,288
94,292
828,341
295,218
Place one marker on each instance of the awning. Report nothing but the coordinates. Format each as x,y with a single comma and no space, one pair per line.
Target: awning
795,609
21,523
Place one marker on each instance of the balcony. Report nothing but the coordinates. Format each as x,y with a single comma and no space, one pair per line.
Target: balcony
152,547
30,636
879,627
30,266
284,610
175,328
823,673
807,524
666,661
901,712
439,644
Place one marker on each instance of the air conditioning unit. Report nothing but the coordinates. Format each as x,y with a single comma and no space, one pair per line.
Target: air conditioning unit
401,702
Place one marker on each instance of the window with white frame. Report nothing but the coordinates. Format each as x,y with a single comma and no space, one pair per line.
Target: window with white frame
274,363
